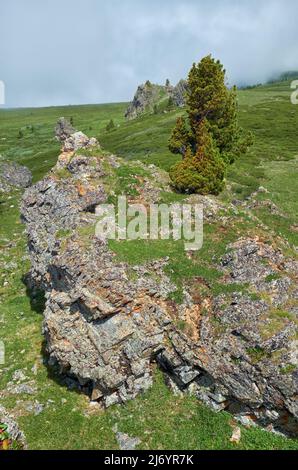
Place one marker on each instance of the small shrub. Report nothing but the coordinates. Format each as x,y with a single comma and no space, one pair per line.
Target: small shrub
110,126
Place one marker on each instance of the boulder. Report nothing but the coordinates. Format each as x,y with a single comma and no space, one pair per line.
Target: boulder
13,176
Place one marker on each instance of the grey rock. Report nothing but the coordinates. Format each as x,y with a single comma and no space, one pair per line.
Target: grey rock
126,442
19,389
19,376
13,176
34,407
63,129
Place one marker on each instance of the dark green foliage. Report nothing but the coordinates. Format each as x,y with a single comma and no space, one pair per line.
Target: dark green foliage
110,126
203,172
209,98
180,138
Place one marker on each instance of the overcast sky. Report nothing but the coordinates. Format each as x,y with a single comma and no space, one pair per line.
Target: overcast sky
94,51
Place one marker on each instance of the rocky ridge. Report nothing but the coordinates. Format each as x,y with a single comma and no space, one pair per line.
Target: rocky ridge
106,323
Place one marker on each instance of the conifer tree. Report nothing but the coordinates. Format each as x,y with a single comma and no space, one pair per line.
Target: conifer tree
211,108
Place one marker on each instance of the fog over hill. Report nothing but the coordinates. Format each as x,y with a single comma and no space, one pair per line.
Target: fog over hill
90,51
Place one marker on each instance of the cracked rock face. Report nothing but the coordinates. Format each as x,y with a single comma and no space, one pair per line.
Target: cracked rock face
106,323
13,175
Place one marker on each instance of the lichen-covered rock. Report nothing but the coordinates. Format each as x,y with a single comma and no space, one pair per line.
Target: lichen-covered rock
63,129
13,176
15,434
77,141
105,322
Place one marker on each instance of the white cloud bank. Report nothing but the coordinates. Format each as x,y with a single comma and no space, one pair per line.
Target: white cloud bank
91,51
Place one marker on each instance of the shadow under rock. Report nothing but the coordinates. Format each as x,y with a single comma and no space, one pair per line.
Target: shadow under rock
35,294
62,377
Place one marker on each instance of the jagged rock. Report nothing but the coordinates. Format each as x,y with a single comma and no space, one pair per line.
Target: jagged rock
150,95
13,175
77,141
71,139
12,427
63,129
105,327
147,95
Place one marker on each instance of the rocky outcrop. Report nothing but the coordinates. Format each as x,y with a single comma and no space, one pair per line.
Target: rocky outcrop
147,96
107,322
150,97
13,176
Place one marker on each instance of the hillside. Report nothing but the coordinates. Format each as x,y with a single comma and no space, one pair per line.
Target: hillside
159,419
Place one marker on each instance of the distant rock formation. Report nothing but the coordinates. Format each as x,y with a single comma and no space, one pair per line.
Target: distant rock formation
105,327
13,176
146,97
150,97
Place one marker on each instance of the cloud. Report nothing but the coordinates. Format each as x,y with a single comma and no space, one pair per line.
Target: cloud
91,51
